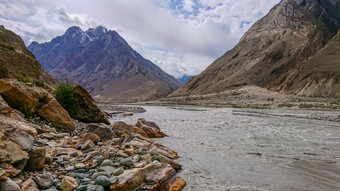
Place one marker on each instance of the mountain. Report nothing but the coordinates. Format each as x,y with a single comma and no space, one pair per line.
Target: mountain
104,64
16,62
182,80
277,53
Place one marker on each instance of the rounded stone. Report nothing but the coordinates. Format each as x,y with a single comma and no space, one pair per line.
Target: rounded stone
103,181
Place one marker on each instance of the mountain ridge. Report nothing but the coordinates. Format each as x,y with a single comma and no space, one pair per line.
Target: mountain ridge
105,64
289,34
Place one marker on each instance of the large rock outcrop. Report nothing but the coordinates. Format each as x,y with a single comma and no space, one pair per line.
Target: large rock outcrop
30,100
279,44
88,111
104,64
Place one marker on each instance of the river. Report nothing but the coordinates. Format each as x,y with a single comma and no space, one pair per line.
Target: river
223,151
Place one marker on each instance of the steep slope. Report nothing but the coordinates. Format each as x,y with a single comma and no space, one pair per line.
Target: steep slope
104,64
318,76
17,62
280,42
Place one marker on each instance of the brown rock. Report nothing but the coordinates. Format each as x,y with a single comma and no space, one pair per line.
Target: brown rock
152,174
150,128
103,131
54,113
88,145
16,154
91,136
120,128
177,184
29,185
10,169
22,138
18,96
9,124
68,184
173,163
87,108
37,159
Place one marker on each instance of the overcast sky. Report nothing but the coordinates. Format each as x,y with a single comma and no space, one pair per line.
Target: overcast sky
180,36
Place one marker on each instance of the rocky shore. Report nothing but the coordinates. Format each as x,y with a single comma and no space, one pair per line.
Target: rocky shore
47,150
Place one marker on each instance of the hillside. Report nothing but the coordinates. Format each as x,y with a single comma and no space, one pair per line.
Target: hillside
274,47
16,62
104,64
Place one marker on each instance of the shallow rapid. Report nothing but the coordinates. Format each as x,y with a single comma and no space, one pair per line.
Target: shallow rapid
222,151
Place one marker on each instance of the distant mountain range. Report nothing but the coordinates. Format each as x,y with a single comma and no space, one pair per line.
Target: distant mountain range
294,49
104,63
182,80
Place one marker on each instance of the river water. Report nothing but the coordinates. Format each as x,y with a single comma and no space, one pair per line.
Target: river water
223,151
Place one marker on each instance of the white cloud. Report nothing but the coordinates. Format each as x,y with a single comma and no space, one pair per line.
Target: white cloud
180,36
188,5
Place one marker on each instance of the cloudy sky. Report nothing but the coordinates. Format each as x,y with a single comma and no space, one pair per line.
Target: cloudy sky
180,36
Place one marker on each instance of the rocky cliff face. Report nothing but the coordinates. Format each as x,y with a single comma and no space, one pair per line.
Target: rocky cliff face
104,64
17,62
281,42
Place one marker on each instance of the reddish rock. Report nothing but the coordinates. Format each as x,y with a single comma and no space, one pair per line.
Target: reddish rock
121,128
90,136
177,184
152,175
150,128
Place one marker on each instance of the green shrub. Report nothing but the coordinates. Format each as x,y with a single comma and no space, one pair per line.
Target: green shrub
7,46
27,109
65,97
28,80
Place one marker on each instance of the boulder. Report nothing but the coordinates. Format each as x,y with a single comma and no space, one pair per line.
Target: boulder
150,128
68,184
103,131
120,128
54,113
29,100
9,185
18,96
29,185
6,110
36,159
151,175
87,109
88,145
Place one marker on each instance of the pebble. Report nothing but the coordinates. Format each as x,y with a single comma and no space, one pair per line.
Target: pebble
69,168
126,162
95,175
103,181
81,188
95,188
80,165
108,169
107,162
